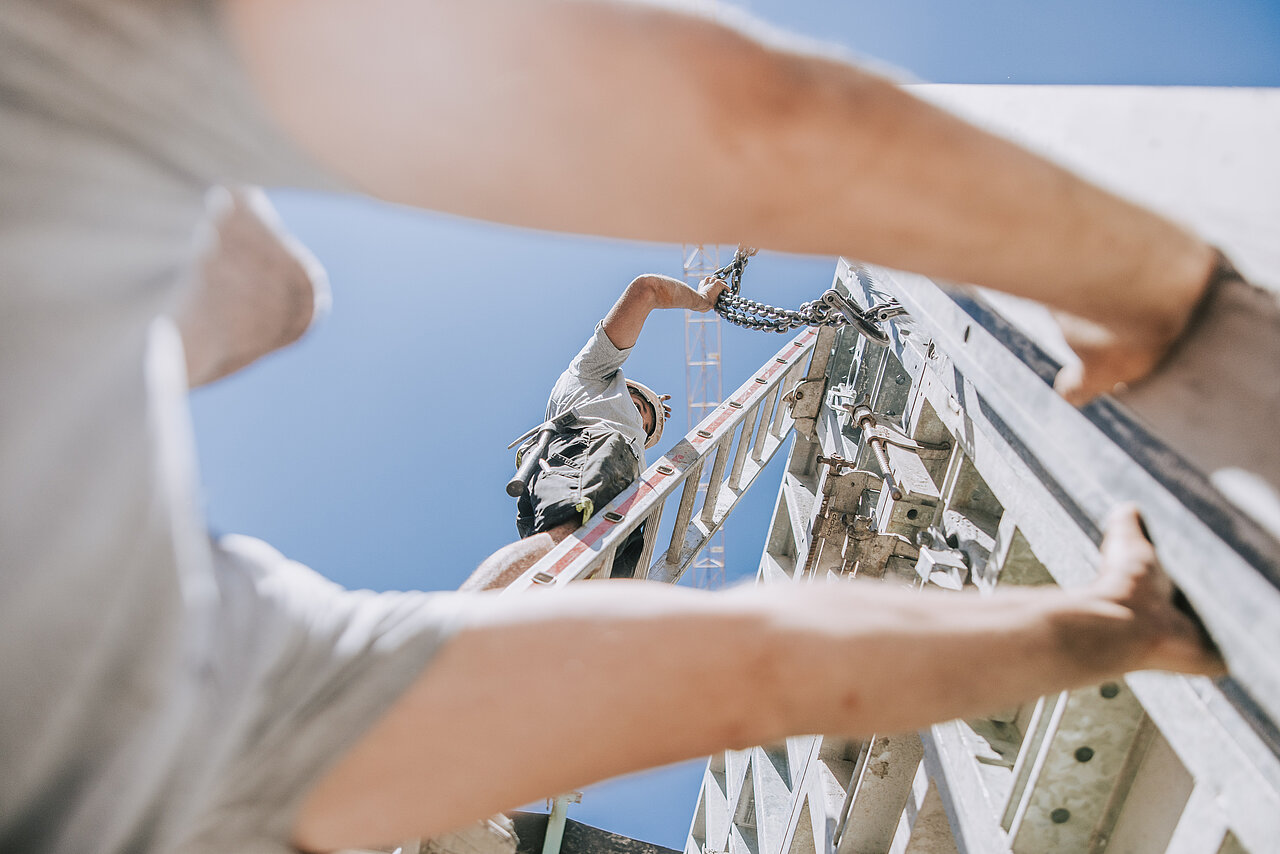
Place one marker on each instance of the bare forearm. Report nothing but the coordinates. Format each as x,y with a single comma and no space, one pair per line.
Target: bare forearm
686,130
672,293
914,659
596,665
644,294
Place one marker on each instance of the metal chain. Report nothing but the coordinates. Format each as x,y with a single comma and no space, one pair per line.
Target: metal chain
757,315
831,309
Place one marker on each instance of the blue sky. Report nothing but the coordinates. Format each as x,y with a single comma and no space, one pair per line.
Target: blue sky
375,450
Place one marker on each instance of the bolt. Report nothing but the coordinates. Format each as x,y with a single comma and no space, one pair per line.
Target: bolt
1060,816
1084,754
1109,690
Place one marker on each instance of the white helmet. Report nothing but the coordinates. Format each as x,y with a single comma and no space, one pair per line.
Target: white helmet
655,401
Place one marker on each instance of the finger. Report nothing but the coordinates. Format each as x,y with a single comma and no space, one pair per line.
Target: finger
1124,519
1125,535
1070,384
1078,382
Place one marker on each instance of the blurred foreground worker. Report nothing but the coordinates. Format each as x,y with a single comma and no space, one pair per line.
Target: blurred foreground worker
166,692
591,445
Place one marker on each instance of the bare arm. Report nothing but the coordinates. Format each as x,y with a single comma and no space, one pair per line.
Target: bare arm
771,661
451,105
626,318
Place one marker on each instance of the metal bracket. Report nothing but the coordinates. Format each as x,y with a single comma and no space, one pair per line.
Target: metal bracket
836,462
871,428
805,398
854,315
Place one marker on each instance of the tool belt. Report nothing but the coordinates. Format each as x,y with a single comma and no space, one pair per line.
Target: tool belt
584,469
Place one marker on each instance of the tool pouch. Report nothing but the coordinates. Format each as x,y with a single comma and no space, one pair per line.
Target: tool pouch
585,469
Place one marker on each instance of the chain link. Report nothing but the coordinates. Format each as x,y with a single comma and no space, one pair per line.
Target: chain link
831,309
750,314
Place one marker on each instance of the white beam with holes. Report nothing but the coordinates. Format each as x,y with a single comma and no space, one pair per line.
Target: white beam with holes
1076,766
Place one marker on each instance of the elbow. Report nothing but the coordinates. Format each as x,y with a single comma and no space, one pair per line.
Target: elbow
647,289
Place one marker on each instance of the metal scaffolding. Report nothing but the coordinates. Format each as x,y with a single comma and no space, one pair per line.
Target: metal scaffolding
945,459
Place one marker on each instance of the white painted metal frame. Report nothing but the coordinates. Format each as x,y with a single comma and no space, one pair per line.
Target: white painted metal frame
990,385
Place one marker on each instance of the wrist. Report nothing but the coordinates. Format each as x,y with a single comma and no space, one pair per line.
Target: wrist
1100,636
1171,283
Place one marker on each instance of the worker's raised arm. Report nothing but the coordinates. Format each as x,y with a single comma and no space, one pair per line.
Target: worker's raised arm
626,318
644,121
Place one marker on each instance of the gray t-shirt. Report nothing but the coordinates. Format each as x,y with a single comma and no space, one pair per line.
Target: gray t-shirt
594,383
161,692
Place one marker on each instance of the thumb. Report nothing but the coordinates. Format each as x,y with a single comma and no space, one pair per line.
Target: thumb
1070,382
1100,354
1124,525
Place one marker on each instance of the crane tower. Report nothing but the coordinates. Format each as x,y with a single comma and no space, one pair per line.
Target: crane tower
703,390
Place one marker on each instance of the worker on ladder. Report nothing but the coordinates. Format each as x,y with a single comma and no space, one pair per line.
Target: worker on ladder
591,445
